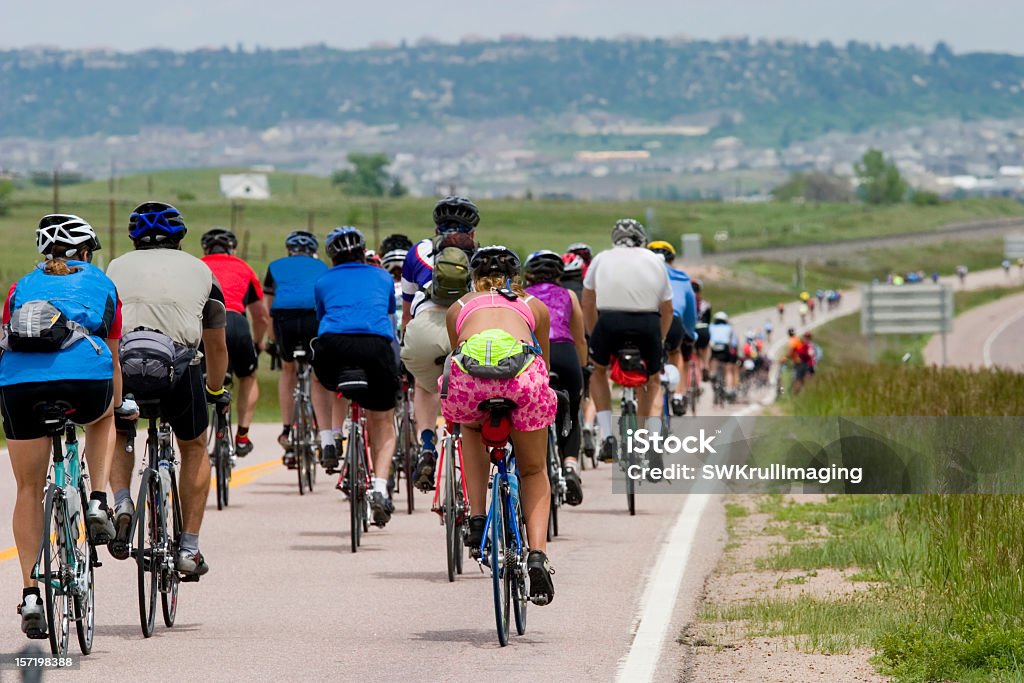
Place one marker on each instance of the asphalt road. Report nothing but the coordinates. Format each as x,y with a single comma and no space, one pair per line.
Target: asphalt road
286,599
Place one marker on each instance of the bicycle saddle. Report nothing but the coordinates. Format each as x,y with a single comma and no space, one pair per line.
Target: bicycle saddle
352,380
53,414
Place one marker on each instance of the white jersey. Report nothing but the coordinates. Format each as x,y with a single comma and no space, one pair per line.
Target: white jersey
629,279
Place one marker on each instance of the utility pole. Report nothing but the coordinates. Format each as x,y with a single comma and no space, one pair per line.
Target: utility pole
111,244
374,208
56,190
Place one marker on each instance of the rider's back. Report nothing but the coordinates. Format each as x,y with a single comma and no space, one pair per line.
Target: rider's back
629,279
291,279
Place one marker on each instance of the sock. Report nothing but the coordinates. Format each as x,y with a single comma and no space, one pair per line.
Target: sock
242,433
653,424
101,496
427,437
677,396
338,434
326,438
286,430
189,542
604,423
380,486
572,464
25,592
121,495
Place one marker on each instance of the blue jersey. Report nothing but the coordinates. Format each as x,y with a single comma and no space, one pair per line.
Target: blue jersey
356,298
87,297
721,334
684,301
418,269
291,280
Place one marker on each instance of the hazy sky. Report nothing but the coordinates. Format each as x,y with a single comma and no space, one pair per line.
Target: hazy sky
986,25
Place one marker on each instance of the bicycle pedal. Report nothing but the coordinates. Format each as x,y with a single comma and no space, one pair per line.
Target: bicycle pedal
189,578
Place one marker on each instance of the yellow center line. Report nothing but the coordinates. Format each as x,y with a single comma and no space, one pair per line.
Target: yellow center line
239,477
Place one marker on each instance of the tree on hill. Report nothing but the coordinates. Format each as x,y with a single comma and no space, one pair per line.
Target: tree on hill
880,180
814,187
369,177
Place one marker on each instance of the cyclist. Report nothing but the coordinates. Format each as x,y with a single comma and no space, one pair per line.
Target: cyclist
288,291
627,297
768,327
355,304
164,288
582,250
1006,266
781,308
801,354
500,314
724,344
84,374
543,270
242,293
451,214
425,343
573,270
702,344
683,332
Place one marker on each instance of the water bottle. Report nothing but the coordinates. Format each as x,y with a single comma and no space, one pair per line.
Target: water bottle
165,482
74,509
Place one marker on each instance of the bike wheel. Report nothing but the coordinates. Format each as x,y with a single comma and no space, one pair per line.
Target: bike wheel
409,447
148,557
553,476
58,604
299,440
500,576
219,466
628,426
448,505
85,602
353,471
311,435
171,580
694,392
517,569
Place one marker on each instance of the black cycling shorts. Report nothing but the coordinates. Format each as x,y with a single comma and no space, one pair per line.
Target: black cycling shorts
242,358
372,353
724,355
88,400
184,407
703,337
616,329
294,328
686,348
675,334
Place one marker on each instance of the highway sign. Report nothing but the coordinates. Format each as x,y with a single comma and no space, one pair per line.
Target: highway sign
906,309
1014,246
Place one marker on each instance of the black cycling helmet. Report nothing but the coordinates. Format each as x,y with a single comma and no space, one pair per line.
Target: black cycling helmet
218,240
696,284
494,260
456,213
156,224
581,249
629,232
396,242
345,243
301,242
544,266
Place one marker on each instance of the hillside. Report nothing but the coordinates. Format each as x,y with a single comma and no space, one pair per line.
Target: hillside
766,93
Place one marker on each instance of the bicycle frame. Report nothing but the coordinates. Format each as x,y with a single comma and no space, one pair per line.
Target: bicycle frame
435,505
63,479
505,479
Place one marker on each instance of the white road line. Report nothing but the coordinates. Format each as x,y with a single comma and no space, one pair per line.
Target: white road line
987,348
658,603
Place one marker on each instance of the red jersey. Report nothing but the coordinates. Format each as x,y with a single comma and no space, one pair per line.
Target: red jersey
238,281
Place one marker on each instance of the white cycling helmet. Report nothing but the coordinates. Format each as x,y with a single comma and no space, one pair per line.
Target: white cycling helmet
721,317
394,258
68,231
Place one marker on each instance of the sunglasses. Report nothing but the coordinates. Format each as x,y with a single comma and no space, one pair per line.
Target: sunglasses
454,227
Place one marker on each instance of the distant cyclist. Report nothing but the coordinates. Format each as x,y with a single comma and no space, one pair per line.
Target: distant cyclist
500,315
242,294
83,374
701,345
288,291
166,289
683,333
573,270
627,298
355,303
543,271
724,346
452,214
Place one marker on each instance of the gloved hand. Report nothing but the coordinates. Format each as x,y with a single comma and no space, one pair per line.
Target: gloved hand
275,354
221,398
128,410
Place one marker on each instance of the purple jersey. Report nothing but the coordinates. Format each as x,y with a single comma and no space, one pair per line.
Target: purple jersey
559,303
418,268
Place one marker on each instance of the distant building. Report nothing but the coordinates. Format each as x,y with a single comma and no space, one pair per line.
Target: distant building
245,186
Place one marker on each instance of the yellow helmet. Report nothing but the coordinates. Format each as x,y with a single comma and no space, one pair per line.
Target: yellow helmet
664,248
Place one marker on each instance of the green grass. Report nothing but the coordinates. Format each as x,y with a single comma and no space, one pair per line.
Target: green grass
524,225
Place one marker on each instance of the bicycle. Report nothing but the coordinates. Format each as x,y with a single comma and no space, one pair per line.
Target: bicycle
67,558
156,523
694,388
451,500
629,358
718,385
303,436
503,547
407,445
358,468
222,449
666,405
556,478
588,433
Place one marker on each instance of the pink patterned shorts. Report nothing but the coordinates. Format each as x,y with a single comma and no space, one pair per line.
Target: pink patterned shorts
530,391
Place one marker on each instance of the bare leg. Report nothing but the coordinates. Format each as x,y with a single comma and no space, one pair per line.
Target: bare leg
600,390
648,396
382,439
427,405
194,482
477,467
99,450
29,460
248,394
531,456
285,392
322,402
